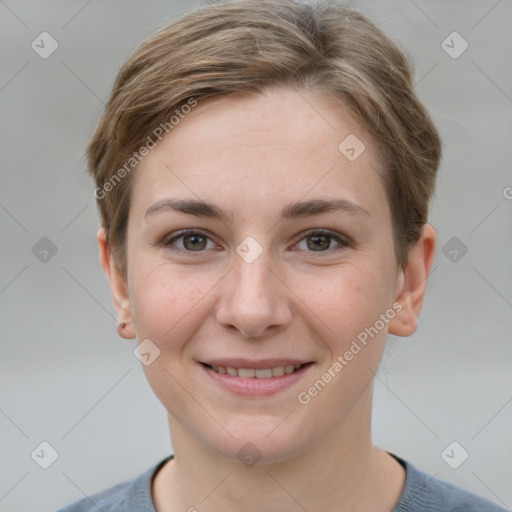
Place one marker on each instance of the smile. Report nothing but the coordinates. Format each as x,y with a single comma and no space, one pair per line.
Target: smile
252,373
270,377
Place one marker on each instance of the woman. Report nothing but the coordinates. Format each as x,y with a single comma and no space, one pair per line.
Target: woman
263,173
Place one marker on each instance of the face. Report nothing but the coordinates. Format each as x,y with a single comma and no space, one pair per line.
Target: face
267,277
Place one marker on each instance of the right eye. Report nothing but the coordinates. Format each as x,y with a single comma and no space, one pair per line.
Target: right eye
191,241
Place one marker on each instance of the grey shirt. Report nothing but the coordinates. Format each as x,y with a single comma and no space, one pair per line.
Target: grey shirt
421,493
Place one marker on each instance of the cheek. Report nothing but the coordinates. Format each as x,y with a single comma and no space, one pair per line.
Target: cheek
350,305
347,299
169,307
168,302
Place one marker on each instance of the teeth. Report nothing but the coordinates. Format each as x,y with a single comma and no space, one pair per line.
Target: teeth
265,373
278,371
247,373
250,373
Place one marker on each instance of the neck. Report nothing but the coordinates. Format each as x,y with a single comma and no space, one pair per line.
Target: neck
344,472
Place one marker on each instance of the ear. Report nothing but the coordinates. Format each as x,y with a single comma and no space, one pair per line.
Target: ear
117,286
412,283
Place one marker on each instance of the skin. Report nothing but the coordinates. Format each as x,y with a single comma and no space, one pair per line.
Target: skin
252,155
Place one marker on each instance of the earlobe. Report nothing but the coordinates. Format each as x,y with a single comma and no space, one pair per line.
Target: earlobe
118,287
413,283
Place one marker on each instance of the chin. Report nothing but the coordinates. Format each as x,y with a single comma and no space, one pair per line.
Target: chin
261,440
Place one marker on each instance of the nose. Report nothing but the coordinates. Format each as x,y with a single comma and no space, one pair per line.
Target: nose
254,300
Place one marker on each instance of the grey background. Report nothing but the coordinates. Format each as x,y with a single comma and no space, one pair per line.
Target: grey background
68,379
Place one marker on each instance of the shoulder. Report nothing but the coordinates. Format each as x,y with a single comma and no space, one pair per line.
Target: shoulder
134,494
108,500
425,493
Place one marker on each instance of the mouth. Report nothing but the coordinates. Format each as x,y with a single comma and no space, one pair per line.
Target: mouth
256,373
255,378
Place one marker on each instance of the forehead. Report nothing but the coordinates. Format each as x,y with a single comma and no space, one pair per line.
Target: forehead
267,148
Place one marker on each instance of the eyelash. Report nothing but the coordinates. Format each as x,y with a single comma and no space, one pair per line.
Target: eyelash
343,242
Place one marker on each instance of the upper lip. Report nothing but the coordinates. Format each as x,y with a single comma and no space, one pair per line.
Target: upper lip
250,363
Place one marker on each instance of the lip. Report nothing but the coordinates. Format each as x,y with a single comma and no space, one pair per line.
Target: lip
250,363
253,386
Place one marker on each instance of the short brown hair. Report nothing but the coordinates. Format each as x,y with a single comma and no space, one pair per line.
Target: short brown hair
247,46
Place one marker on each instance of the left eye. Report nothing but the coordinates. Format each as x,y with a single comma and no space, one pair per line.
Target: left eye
321,239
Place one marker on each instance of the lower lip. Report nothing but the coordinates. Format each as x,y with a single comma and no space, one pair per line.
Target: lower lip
254,386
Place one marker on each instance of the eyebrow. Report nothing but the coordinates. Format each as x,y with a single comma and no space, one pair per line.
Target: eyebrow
309,208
